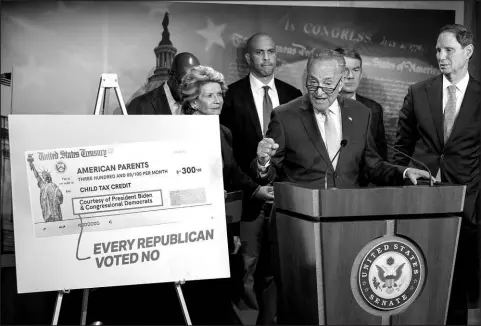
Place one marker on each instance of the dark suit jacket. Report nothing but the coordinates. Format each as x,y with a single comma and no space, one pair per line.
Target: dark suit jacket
302,156
234,178
153,102
239,114
420,134
377,124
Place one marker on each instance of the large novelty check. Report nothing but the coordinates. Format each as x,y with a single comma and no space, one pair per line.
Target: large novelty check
124,185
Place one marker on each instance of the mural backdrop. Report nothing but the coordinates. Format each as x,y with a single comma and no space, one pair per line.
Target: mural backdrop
59,49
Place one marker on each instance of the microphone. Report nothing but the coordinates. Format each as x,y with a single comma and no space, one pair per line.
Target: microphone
416,161
343,144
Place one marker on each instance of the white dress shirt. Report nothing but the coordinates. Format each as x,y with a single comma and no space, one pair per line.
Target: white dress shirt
175,106
258,94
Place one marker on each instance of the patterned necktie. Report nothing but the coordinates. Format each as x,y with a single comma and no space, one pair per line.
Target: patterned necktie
449,112
266,108
332,136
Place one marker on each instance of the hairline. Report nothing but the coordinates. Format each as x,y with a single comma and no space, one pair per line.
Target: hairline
453,33
311,63
251,40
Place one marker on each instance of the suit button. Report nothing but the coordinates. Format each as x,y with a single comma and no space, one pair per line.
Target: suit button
335,175
442,156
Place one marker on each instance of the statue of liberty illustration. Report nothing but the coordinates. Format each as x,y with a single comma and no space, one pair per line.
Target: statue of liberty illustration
51,196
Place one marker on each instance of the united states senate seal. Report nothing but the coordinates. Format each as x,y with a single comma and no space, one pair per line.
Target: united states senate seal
388,274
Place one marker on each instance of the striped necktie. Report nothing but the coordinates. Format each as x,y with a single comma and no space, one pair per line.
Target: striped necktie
449,112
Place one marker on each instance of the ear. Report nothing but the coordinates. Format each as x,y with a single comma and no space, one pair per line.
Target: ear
248,58
469,49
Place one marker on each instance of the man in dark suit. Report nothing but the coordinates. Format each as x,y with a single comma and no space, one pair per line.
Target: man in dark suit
349,89
439,125
166,98
305,134
247,108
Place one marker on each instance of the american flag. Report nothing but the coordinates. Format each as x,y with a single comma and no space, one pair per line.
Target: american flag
6,79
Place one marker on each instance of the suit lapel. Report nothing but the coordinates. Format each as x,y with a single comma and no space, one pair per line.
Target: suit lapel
160,104
310,124
471,97
435,100
283,96
250,107
346,127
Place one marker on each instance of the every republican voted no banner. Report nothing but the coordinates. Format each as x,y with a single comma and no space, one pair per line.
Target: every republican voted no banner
106,201
116,186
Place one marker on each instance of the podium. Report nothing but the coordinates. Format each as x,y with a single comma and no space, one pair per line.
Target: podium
367,256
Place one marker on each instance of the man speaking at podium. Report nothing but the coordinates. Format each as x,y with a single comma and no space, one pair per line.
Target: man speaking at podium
322,139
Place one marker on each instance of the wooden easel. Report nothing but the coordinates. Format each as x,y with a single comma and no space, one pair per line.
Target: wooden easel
108,81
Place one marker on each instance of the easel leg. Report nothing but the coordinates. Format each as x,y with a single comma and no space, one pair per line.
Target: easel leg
182,302
85,303
58,305
106,100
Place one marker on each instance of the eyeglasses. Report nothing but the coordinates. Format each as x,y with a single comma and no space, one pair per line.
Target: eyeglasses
328,90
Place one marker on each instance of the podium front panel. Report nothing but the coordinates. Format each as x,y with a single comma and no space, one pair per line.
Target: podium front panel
317,258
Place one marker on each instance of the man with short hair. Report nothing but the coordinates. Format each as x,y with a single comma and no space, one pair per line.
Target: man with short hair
166,98
247,108
349,90
439,126
305,135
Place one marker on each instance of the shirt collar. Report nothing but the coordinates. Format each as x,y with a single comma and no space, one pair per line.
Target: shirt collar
461,85
257,84
170,98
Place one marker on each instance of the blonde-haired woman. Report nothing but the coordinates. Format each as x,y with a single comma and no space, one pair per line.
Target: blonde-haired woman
202,93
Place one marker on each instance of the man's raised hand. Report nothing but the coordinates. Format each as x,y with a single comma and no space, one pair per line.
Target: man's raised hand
265,150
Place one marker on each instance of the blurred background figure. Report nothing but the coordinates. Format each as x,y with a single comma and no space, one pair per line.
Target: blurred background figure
166,98
349,90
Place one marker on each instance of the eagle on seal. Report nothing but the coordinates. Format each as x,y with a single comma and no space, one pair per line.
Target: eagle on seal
390,279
